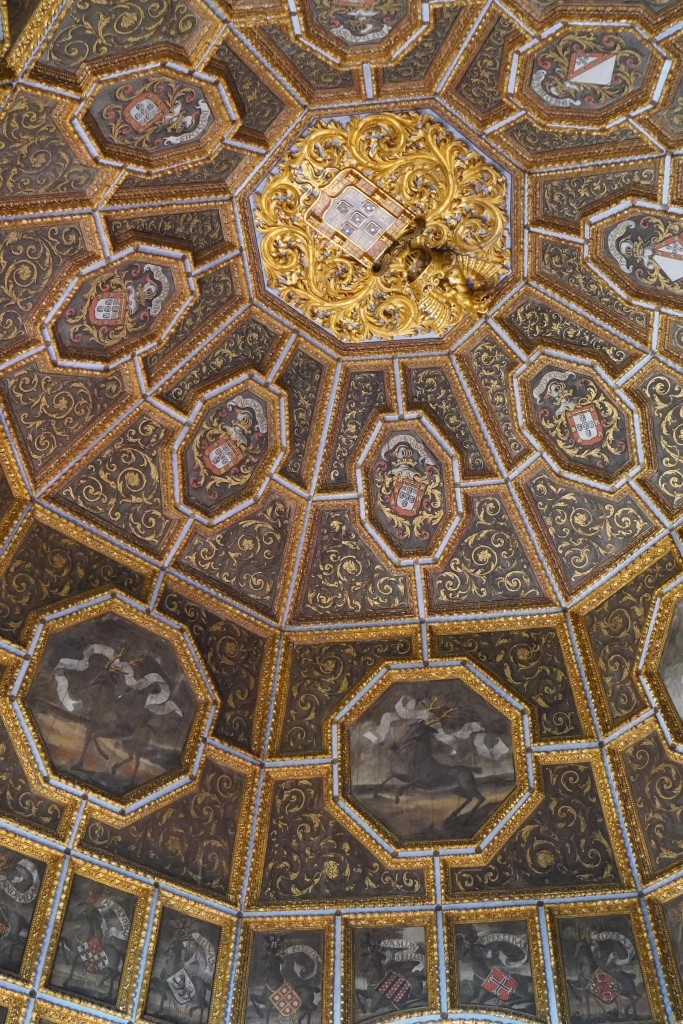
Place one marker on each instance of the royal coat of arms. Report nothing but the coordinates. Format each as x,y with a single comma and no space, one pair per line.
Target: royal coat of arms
151,113
347,239
360,215
119,303
575,414
358,21
226,448
649,249
589,70
409,493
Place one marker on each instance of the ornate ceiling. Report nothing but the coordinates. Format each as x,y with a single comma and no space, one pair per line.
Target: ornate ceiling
341,484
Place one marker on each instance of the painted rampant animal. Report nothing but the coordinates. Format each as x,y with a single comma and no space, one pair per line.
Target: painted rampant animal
423,771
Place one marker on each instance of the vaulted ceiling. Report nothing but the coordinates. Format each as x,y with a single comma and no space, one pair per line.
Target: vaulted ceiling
341,484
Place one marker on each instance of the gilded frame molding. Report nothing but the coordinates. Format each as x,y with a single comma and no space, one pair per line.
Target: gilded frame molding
227,924
626,906
418,675
502,916
173,637
253,925
427,920
132,965
669,961
53,862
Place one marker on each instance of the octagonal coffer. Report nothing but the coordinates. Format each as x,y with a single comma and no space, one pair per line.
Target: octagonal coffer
155,118
231,448
364,253
121,306
409,489
115,705
432,760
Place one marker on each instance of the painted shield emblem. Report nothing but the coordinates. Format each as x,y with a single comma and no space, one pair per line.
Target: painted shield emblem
181,986
406,496
668,255
499,983
395,987
604,987
591,68
223,456
144,111
358,214
585,425
108,308
285,1000
93,955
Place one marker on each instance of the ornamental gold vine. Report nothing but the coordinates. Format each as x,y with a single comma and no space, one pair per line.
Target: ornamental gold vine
445,262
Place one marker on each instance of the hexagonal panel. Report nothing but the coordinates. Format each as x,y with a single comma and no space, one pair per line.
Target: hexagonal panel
643,253
351,31
670,665
577,419
358,22
408,485
228,453
586,71
118,307
348,239
113,703
433,760
155,118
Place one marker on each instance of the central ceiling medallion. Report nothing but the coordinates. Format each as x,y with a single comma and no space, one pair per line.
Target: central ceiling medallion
383,226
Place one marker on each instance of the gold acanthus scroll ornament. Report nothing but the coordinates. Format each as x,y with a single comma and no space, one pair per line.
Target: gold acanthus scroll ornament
384,226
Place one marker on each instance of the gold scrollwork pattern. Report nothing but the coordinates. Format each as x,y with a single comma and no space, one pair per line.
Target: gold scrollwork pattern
93,31
35,158
50,567
665,406
50,410
346,579
615,627
480,85
121,487
489,564
567,198
562,261
310,855
564,844
655,781
458,198
493,367
29,259
431,390
530,661
245,559
190,840
320,676
366,393
586,530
